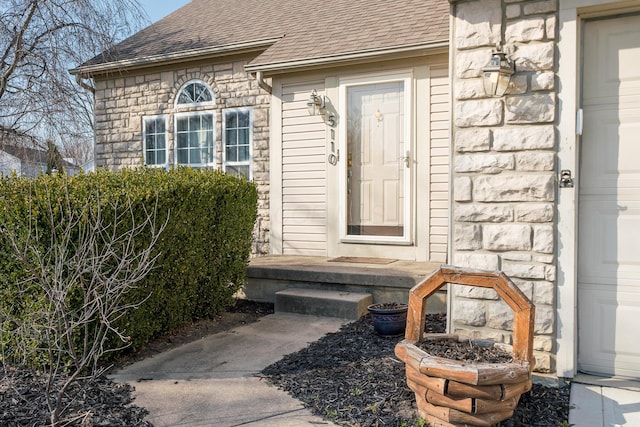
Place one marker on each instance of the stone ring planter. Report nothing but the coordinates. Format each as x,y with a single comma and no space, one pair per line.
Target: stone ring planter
454,393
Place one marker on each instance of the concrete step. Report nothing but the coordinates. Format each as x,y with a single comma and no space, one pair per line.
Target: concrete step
344,305
267,275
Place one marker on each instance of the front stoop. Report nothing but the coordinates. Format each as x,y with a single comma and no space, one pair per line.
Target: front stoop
388,282
344,305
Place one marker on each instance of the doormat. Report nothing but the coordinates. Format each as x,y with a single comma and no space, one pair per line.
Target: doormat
363,260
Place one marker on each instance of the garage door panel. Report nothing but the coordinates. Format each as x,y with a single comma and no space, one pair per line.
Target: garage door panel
610,167
607,315
610,242
609,200
614,43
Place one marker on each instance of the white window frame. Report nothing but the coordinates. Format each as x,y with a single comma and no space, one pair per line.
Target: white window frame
164,117
249,161
179,106
179,116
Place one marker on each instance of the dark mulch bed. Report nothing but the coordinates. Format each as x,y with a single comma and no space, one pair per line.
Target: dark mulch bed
353,378
102,402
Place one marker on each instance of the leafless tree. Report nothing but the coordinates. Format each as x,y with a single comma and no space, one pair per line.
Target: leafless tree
40,40
88,259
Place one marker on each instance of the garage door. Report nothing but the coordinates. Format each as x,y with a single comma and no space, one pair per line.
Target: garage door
609,209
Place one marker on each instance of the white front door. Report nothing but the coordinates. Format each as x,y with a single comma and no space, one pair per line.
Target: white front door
378,162
609,200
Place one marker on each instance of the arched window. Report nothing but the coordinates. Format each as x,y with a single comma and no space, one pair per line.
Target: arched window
194,134
194,93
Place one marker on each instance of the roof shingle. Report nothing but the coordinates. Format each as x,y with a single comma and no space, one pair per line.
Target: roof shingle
305,29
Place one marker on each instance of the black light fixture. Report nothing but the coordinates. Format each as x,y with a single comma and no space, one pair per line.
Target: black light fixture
497,73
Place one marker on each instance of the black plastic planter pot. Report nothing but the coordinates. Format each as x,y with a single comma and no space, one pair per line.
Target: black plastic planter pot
388,319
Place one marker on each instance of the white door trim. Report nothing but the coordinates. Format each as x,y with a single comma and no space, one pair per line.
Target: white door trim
344,84
571,12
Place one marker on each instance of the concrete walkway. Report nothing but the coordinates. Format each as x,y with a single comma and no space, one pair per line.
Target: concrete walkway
213,382
604,402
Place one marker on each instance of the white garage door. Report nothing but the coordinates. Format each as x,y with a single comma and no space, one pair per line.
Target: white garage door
609,212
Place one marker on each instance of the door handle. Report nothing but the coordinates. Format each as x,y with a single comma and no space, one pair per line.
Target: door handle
407,159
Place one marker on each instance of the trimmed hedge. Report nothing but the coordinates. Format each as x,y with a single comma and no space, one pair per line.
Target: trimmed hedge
201,254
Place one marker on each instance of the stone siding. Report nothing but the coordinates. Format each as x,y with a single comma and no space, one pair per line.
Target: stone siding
504,182
121,102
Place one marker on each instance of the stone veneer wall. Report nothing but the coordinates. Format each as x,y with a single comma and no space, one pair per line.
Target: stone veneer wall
504,181
122,102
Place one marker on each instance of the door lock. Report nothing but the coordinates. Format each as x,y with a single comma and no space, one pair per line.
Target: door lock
566,181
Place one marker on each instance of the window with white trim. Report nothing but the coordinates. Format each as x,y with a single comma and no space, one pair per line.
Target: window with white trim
154,130
195,139
237,139
194,93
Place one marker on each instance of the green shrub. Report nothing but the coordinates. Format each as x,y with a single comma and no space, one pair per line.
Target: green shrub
201,254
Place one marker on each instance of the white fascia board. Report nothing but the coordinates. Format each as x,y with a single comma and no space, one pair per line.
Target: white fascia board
430,48
145,61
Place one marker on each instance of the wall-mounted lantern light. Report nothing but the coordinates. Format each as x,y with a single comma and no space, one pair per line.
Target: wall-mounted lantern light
317,106
497,73
315,103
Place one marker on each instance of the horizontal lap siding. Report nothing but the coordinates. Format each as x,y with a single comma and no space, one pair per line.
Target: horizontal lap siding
304,183
439,202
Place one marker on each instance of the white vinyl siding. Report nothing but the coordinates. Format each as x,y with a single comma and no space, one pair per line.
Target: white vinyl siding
439,120
304,183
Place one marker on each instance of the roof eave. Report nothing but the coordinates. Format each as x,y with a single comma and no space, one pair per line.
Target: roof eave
435,47
163,59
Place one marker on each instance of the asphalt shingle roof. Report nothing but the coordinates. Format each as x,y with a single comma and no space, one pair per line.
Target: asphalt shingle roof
304,29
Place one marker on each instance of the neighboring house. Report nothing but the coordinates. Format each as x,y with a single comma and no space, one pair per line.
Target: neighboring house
368,132
24,161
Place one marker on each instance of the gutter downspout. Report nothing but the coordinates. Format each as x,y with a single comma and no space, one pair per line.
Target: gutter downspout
84,85
264,85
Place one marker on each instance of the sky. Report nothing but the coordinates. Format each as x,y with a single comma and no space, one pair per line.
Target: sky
158,9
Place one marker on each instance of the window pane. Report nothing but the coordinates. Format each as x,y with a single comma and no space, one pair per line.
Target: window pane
231,120
183,156
238,170
194,156
150,126
243,136
207,122
183,140
150,143
184,98
194,123
160,142
209,138
161,159
207,154
243,153
150,158
243,119
182,124
232,137
201,92
232,154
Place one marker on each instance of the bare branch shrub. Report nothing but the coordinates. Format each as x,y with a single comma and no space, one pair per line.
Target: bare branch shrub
79,268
